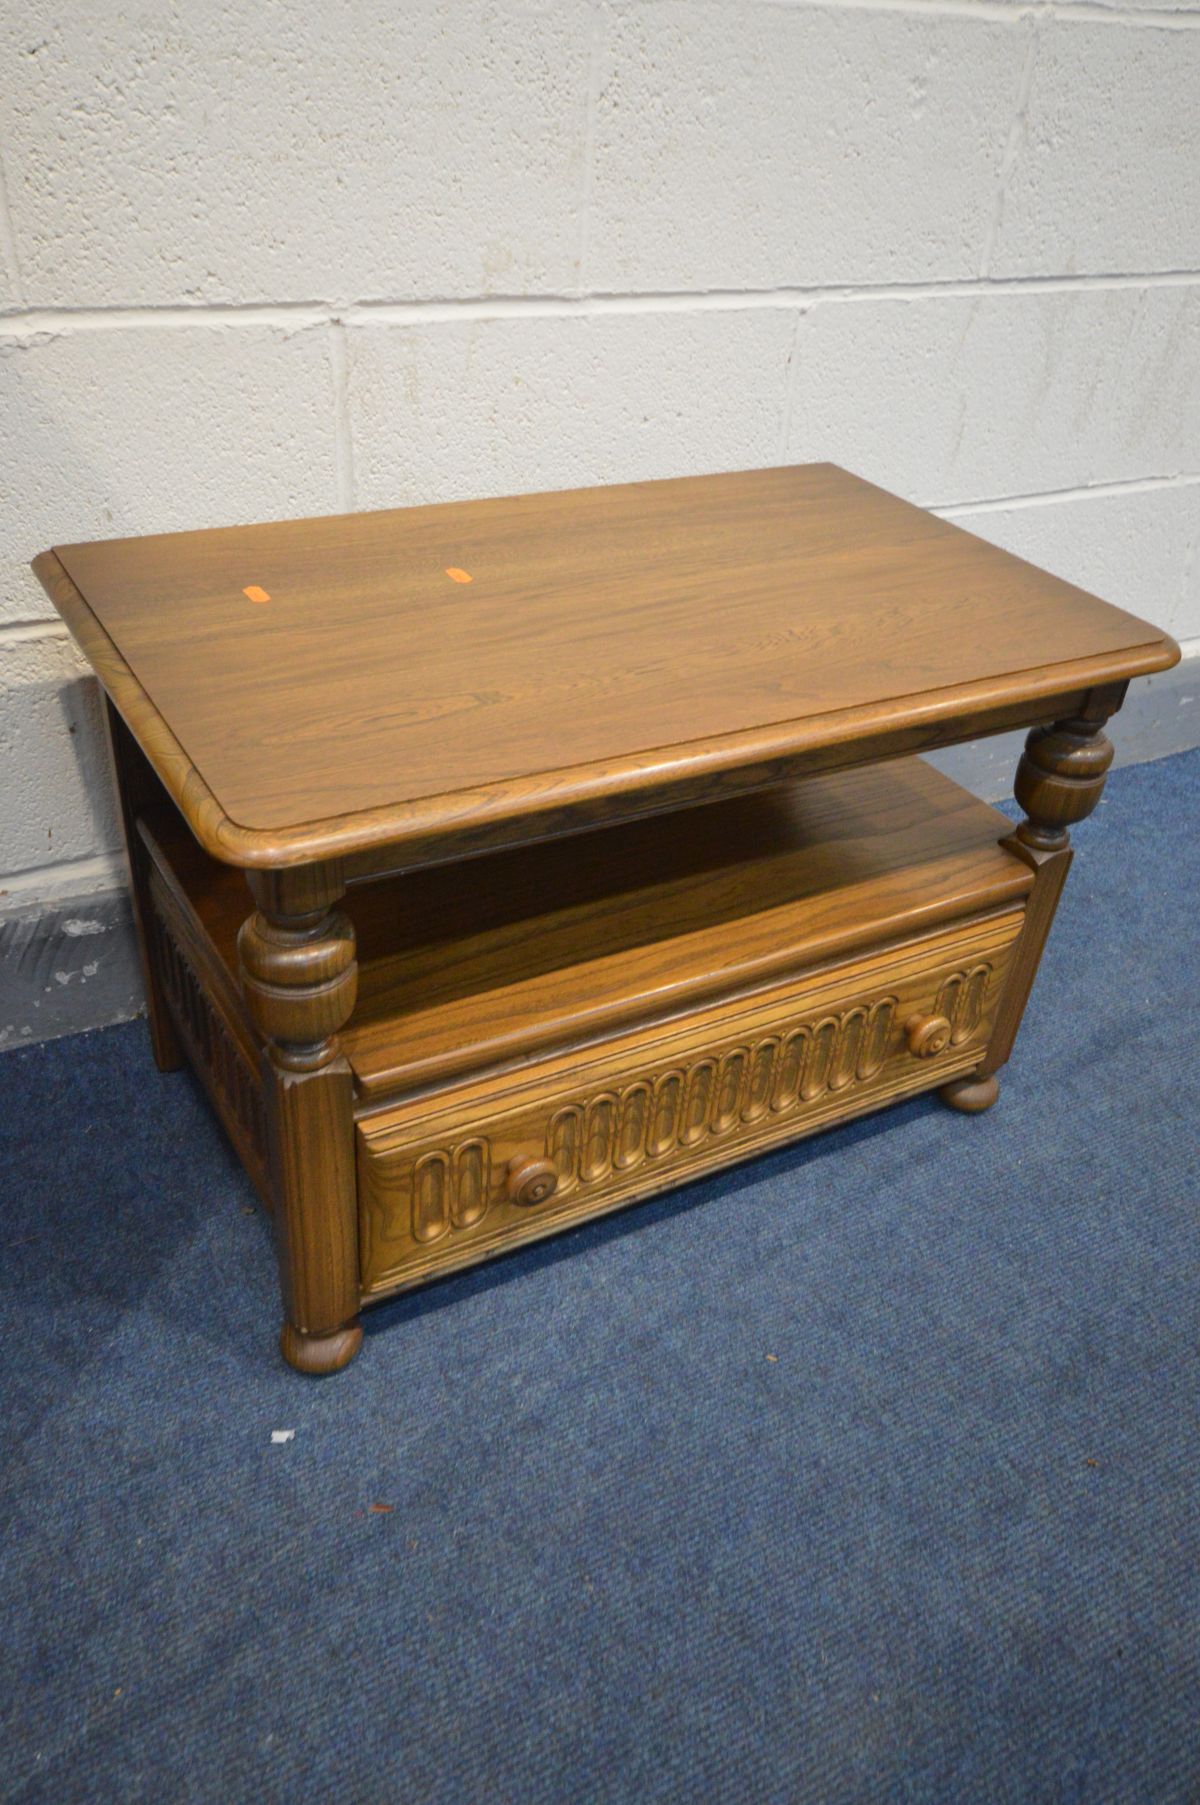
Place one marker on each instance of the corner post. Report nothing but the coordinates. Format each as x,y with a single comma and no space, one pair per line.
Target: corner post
1060,779
300,978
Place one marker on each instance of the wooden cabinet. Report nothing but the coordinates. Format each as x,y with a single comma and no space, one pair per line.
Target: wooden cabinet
482,907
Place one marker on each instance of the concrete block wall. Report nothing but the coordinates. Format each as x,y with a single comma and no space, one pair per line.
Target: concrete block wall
260,260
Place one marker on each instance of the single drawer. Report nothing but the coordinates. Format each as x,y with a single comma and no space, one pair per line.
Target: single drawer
452,1178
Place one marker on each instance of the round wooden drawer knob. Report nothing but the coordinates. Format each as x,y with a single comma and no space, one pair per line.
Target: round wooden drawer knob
927,1035
530,1180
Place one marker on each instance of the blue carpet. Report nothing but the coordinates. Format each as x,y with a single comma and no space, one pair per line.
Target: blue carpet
867,1472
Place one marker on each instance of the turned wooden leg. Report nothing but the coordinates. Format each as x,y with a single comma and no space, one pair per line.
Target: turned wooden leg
1059,781
138,788
300,978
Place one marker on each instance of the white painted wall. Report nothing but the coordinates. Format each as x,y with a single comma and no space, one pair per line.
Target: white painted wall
262,259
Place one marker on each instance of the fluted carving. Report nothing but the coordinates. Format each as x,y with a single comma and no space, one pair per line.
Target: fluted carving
701,1100
716,1093
961,1000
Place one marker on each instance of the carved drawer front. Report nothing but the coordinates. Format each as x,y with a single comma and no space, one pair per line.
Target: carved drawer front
447,1180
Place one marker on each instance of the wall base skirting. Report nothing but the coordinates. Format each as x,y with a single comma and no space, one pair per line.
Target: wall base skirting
73,964
67,965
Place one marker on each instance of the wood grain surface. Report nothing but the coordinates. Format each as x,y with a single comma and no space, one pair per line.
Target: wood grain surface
617,642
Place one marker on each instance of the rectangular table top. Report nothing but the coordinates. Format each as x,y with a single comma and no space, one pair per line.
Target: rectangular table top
317,687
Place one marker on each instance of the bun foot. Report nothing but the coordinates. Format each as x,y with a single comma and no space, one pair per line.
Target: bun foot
317,1355
971,1094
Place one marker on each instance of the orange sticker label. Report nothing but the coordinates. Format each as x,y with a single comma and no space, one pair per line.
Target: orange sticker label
458,576
253,593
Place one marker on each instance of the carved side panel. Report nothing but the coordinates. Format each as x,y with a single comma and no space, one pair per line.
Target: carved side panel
229,1075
